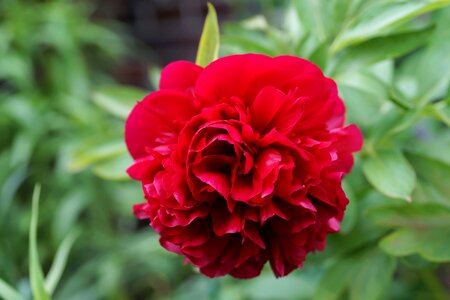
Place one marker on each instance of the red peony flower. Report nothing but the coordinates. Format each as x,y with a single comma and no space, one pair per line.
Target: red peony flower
241,162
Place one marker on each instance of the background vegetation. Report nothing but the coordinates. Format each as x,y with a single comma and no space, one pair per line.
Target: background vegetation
62,117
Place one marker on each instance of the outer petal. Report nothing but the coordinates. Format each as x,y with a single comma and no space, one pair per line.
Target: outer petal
156,121
179,75
244,75
348,139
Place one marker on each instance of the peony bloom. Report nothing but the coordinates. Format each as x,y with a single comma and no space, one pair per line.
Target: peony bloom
241,162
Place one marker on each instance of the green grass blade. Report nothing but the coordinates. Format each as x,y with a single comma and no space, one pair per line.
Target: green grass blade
60,261
8,292
36,275
208,49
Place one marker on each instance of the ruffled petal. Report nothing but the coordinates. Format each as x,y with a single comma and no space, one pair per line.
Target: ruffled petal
225,222
143,168
266,105
141,211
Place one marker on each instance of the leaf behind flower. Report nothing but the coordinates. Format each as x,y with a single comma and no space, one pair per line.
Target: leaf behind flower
208,49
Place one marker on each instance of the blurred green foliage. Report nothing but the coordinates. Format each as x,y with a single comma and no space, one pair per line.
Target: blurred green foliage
61,113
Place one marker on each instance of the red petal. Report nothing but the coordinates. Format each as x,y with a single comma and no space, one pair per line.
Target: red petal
143,168
251,268
251,230
208,252
170,246
349,138
141,211
153,121
322,108
288,117
212,170
245,75
248,249
245,187
225,222
264,108
267,160
179,75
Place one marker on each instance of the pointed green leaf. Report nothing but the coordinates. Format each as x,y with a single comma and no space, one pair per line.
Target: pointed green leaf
36,275
431,244
433,70
422,228
351,212
382,17
390,173
114,168
432,169
8,292
381,48
412,215
118,100
59,263
366,275
374,277
312,16
424,76
336,279
208,49
96,154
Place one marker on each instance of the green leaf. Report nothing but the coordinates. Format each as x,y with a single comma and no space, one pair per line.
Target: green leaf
390,173
365,95
118,100
413,215
437,148
239,39
422,228
320,55
59,262
36,275
311,14
373,278
432,170
96,154
433,70
8,292
336,279
154,76
115,168
363,108
439,111
426,192
383,71
366,275
425,75
381,48
431,244
208,49
364,81
380,18
351,212
404,121
266,287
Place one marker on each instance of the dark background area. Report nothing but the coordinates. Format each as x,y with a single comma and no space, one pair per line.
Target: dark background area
166,30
